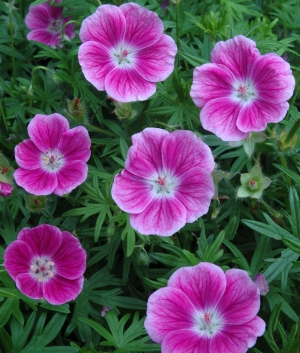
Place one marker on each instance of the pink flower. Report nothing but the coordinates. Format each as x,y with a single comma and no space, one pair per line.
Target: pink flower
167,181
204,310
125,52
241,90
54,158
46,263
5,189
46,22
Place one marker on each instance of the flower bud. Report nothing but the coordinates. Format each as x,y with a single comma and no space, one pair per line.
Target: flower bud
6,177
124,110
76,110
253,183
143,259
36,203
285,145
261,283
5,189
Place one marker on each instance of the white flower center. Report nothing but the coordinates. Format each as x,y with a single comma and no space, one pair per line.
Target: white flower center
55,26
52,160
42,269
208,323
163,185
244,92
123,55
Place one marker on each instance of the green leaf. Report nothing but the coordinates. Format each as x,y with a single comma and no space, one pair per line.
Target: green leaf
288,172
295,211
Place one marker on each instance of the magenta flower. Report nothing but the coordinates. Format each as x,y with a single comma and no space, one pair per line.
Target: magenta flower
46,263
124,51
241,90
204,310
5,189
54,158
46,22
167,181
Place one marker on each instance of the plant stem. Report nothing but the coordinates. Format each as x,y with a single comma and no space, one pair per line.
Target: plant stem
3,116
269,208
30,91
292,132
101,130
284,164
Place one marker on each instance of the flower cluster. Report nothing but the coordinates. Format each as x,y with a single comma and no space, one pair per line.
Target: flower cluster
166,182
46,263
204,310
125,52
241,90
46,24
54,159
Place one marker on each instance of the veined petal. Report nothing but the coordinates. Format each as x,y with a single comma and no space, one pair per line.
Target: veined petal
37,181
39,16
143,27
125,84
187,341
70,259
131,193
45,36
95,62
168,310
72,174
255,115
241,300
183,150
59,290
238,338
220,117
106,26
163,216
28,285
195,190
203,284
44,240
156,63
144,157
46,130
273,78
75,145
17,258
237,54
27,155
211,81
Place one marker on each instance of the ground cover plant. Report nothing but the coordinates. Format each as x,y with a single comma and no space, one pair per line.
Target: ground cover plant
149,176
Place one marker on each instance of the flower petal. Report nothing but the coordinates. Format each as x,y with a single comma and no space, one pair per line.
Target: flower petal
273,78
211,81
37,181
163,216
29,286
70,176
168,310
125,84
203,284
143,27
17,258
70,259
44,240
75,145
183,150
256,115
27,155
241,300
144,157
59,290
237,54
195,190
220,117
187,341
45,130
95,62
131,193
39,16
106,26
156,63
238,338
44,36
